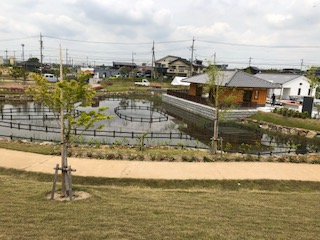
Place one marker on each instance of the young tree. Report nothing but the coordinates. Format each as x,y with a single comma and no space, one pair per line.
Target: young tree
313,79
64,100
220,97
17,72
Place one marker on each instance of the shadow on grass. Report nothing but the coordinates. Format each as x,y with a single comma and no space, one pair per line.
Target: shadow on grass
227,185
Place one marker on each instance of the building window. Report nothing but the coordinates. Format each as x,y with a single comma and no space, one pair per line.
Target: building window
299,91
256,94
309,92
300,84
181,68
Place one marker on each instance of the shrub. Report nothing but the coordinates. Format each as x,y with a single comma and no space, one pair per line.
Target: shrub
207,159
110,156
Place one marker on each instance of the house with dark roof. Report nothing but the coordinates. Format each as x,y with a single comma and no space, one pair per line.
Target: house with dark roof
250,91
291,85
176,66
118,65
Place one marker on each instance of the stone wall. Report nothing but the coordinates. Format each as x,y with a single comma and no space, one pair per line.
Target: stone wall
206,111
285,130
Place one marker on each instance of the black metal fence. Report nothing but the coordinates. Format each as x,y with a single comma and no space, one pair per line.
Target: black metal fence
163,117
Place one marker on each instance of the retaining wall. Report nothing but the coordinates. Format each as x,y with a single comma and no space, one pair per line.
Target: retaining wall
206,111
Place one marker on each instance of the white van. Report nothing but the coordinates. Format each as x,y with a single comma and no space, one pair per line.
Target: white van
51,78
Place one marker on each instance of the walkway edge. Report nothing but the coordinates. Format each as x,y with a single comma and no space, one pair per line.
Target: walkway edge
163,170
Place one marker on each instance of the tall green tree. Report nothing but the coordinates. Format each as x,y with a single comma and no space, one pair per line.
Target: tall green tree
64,100
313,79
220,98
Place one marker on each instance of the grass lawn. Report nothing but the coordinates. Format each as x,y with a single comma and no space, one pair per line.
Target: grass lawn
310,124
140,209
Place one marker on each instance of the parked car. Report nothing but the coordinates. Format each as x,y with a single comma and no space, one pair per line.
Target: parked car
144,82
115,76
51,78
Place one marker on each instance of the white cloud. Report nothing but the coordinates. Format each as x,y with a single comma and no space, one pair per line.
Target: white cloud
200,31
278,18
252,22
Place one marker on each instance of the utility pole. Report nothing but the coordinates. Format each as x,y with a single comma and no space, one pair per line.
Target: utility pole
133,65
6,56
153,62
214,58
41,55
301,66
250,58
22,45
66,57
191,62
132,59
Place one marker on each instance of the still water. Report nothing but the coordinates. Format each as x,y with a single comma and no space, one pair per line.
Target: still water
147,120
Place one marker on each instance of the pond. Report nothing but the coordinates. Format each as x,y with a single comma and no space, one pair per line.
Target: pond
146,120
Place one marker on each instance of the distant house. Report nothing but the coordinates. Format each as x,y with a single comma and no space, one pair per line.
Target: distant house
118,65
251,70
176,66
105,72
291,70
250,90
291,85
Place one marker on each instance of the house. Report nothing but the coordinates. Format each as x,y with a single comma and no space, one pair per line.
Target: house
250,91
252,70
172,66
105,72
291,85
118,65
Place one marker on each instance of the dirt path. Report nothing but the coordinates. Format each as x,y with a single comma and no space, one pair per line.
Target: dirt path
162,170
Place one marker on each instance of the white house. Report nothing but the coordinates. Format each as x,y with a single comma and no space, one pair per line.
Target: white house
292,85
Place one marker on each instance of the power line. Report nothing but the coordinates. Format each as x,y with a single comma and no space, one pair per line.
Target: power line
115,43
16,39
259,46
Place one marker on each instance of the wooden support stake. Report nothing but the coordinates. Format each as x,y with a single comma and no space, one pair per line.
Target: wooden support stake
70,193
54,181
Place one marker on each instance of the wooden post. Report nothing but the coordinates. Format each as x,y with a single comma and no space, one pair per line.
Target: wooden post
221,147
54,181
70,193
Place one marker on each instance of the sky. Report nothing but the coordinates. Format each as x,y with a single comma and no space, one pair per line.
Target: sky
262,33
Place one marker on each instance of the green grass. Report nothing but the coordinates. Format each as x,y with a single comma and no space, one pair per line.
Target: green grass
127,85
141,209
310,124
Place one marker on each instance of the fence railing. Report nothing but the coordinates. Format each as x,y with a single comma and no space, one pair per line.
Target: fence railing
163,117
185,95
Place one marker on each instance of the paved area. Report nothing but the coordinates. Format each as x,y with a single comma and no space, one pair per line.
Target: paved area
162,170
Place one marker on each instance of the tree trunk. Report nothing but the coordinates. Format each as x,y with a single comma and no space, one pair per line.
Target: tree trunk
214,147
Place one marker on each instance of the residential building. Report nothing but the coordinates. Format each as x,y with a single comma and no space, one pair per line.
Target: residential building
123,64
249,90
291,85
172,66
